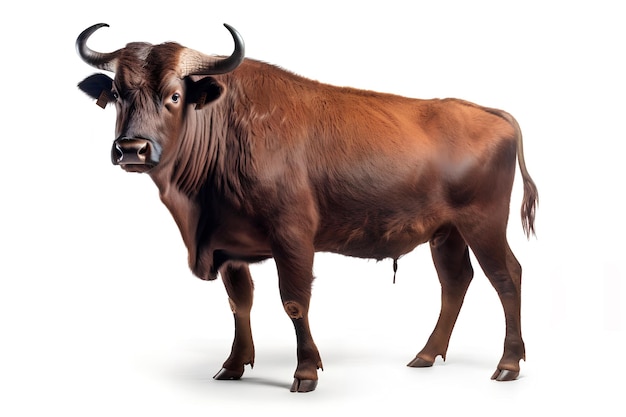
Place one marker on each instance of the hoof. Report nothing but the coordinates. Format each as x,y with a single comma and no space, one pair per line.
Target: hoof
304,385
226,374
420,363
505,375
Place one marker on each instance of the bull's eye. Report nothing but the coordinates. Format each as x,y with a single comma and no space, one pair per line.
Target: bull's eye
175,97
115,95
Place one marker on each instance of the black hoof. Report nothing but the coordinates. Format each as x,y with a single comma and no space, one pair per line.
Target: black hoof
505,375
420,363
226,374
304,385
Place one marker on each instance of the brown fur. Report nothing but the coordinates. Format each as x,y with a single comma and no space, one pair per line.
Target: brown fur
261,163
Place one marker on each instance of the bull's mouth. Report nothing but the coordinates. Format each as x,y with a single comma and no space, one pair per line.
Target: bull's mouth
138,168
135,154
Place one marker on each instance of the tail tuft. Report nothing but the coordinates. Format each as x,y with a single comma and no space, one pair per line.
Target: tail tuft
529,205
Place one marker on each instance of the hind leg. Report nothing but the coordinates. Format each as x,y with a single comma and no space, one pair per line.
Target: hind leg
239,287
451,258
492,251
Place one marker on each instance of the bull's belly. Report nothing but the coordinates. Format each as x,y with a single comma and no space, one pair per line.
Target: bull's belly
357,236
374,244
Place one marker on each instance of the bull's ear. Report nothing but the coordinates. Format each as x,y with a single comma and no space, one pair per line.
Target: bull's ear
204,91
98,86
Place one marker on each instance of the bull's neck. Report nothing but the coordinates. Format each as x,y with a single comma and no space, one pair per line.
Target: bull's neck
196,217
200,148
185,211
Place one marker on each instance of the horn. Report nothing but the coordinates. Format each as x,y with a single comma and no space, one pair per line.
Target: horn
196,63
103,61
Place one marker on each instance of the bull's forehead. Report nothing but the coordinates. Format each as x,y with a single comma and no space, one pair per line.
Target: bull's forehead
143,65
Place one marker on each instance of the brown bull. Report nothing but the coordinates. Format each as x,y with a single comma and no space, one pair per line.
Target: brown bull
255,162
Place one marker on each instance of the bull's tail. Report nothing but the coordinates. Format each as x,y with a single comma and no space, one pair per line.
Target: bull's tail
531,196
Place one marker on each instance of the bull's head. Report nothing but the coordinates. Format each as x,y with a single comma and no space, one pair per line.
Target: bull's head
151,89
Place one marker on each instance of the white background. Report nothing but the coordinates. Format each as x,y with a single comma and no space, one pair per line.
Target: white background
99,314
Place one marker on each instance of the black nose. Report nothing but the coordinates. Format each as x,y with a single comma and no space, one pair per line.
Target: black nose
134,151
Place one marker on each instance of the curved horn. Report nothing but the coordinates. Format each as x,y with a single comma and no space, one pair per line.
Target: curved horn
196,63
103,61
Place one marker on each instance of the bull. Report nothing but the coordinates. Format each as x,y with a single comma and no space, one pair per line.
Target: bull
255,162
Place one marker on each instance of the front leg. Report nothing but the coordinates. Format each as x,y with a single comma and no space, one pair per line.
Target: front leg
239,287
295,275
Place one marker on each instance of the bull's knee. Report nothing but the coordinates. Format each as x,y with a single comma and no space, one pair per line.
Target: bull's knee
294,309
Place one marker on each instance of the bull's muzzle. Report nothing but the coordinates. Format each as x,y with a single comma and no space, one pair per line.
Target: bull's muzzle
135,154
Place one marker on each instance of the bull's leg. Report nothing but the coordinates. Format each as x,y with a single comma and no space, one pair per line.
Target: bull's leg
505,273
295,275
451,257
239,287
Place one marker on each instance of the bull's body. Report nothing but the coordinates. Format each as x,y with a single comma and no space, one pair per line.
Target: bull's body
272,165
